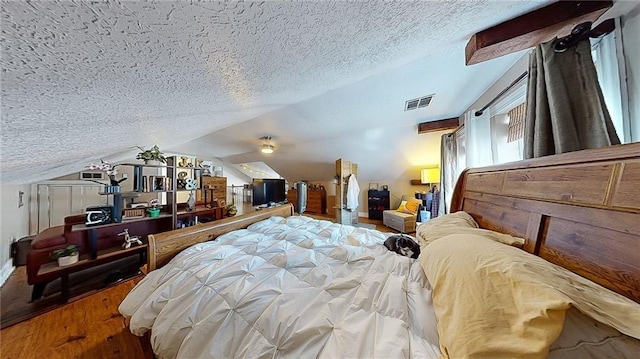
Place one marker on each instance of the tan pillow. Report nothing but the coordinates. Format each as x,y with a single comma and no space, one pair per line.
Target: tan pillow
460,223
497,301
483,310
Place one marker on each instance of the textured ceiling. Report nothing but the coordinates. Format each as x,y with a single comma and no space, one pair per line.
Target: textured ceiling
89,80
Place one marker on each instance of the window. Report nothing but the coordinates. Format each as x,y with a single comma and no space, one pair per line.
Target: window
604,53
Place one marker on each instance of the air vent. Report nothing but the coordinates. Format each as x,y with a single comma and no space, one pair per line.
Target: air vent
418,103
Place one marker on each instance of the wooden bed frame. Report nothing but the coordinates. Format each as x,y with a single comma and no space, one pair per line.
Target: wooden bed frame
166,245
579,210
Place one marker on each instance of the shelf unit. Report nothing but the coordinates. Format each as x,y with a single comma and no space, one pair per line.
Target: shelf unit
170,184
203,211
378,202
144,182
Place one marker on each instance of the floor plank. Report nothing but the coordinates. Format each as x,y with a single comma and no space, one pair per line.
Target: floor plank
88,328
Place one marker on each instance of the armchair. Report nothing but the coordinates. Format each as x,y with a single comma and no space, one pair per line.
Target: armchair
402,219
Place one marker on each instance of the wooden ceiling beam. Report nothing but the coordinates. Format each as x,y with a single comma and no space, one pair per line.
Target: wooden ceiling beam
531,29
440,125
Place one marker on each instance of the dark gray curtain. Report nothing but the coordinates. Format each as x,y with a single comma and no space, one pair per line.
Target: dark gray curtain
565,107
448,171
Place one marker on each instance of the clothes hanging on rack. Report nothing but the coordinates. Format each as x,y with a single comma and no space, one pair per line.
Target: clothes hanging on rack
353,191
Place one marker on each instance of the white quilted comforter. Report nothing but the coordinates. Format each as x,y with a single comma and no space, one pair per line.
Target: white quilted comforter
287,287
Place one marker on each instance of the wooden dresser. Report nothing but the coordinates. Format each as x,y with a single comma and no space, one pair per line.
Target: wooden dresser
316,200
219,186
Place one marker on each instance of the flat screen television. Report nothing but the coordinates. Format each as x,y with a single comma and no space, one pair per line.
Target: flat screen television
267,190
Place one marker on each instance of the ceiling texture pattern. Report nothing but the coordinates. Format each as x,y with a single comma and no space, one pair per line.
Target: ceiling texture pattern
88,80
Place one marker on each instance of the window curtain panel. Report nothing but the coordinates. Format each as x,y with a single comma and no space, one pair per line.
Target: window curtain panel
448,171
478,139
604,55
565,106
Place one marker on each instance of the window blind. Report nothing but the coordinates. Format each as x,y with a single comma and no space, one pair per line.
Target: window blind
516,122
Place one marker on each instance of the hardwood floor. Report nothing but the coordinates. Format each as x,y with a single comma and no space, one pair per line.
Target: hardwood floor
87,328
90,327
15,296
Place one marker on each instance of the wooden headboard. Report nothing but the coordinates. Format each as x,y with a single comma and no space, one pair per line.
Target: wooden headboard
166,245
579,210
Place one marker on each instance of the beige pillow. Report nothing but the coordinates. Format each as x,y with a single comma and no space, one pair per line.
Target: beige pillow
484,311
497,301
460,223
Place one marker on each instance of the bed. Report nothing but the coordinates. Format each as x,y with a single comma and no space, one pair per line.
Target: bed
271,284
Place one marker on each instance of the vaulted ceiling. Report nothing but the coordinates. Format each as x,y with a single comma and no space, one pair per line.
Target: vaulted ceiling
88,80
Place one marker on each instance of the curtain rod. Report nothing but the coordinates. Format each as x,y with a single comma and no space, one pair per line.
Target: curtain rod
480,111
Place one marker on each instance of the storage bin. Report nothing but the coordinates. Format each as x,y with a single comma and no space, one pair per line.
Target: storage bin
19,250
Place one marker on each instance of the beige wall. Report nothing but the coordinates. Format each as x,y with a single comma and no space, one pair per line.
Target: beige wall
14,223
427,155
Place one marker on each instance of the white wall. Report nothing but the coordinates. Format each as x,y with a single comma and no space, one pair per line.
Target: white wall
14,224
631,46
501,83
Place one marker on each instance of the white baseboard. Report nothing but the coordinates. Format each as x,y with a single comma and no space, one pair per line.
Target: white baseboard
6,271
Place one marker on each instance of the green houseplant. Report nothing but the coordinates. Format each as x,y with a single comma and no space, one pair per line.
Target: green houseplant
152,155
154,208
231,210
67,255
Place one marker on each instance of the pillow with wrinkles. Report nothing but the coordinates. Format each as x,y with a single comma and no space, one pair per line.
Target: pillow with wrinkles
460,223
497,301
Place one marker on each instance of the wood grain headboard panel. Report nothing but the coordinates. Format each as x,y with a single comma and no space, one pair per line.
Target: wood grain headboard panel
579,210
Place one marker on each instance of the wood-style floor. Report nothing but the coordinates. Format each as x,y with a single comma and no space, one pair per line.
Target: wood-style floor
90,327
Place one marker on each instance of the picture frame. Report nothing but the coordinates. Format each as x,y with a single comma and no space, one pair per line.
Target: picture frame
373,186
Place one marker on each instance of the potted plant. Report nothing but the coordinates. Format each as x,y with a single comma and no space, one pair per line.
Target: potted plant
67,255
231,210
152,156
112,173
154,208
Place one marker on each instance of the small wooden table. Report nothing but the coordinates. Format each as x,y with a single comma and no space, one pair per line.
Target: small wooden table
85,261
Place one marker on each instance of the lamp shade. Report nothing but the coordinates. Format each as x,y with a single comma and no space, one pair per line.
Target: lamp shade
430,175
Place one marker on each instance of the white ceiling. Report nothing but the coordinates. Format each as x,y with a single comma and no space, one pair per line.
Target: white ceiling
88,80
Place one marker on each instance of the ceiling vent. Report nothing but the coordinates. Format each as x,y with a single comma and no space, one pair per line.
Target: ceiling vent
418,103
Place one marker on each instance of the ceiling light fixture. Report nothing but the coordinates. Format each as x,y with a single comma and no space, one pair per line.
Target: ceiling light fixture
267,147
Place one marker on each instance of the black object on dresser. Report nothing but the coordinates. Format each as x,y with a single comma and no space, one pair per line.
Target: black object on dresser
378,202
